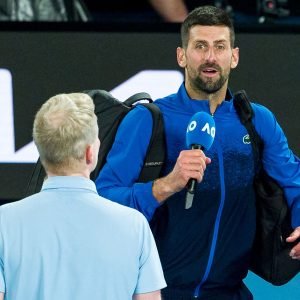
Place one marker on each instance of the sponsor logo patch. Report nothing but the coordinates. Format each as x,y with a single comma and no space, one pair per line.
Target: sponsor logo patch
246,139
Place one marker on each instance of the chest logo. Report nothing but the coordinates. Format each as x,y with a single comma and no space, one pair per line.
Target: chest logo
246,139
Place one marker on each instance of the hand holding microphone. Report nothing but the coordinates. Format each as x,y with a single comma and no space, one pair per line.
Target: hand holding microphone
199,135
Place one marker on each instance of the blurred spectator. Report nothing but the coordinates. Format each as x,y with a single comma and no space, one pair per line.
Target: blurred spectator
170,10
142,11
126,11
43,10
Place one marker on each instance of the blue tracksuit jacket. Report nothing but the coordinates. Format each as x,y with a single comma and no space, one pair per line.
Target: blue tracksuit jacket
205,249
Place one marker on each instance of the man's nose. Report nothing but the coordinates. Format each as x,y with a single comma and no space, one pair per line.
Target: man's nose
210,54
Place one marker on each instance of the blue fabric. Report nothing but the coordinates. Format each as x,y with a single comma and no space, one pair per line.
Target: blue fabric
184,237
279,161
67,242
124,163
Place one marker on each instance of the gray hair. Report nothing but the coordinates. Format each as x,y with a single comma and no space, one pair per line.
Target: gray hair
63,127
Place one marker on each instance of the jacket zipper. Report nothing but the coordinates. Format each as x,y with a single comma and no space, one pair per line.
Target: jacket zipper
197,291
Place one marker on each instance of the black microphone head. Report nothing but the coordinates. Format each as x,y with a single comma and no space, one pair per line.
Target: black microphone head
201,130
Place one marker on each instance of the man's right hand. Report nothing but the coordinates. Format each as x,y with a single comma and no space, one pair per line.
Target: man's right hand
189,164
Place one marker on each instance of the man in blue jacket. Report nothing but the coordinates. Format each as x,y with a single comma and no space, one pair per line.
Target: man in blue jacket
204,250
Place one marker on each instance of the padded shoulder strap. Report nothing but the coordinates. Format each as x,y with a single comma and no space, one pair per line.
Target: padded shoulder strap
243,106
36,181
138,97
155,156
245,112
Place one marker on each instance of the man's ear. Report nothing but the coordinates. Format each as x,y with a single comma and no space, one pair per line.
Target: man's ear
181,60
235,57
89,155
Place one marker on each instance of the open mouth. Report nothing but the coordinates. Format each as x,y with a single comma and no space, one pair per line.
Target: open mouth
209,71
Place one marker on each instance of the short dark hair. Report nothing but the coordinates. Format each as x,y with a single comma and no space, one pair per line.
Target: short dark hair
206,16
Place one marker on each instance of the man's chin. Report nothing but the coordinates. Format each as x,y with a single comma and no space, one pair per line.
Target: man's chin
211,89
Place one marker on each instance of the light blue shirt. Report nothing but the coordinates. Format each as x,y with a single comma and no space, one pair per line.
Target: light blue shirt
67,242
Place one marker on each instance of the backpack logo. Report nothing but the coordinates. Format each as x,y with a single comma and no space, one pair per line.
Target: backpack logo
246,139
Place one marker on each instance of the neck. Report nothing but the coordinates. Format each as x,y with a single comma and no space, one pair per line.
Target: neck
215,99
85,173
214,102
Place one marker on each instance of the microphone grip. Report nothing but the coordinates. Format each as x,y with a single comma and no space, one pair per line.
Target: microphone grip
192,182
191,185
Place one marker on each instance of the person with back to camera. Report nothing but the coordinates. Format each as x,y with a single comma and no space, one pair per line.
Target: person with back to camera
67,242
204,250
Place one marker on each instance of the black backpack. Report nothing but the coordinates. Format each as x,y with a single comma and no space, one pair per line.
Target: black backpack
110,112
270,256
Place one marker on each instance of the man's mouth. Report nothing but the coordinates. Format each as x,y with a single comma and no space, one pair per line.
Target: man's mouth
209,71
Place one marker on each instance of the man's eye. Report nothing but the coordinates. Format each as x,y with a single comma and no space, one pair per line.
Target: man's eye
220,47
200,46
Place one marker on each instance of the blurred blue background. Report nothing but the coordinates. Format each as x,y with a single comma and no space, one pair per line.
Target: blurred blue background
263,290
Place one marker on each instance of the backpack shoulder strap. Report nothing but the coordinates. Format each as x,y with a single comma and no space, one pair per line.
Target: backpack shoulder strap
138,97
36,180
155,156
245,112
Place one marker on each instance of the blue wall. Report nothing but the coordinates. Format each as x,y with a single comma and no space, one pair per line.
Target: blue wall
263,290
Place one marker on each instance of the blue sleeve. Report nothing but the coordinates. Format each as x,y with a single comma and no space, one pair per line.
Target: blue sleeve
117,179
278,159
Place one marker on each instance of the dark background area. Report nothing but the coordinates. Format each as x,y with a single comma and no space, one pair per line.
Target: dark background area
244,12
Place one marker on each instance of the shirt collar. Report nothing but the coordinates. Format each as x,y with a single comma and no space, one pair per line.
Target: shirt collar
194,105
69,182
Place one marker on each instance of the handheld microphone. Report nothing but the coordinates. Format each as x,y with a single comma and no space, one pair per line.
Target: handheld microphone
200,134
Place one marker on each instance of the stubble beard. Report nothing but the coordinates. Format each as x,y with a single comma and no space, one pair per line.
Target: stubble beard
208,85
